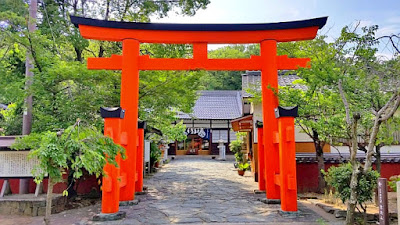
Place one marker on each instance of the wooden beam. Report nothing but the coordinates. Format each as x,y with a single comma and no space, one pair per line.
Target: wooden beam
199,62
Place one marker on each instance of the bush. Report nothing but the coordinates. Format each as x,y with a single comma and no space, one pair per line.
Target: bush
236,147
243,166
155,153
339,178
392,182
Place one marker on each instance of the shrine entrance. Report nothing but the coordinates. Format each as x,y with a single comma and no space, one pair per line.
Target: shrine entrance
277,165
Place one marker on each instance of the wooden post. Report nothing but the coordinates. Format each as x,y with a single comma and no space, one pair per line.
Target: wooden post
111,185
139,162
129,102
383,202
261,158
287,158
269,86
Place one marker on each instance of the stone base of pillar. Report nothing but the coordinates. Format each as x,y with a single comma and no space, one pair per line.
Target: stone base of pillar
294,214
129,203
270,201
109,216
256,191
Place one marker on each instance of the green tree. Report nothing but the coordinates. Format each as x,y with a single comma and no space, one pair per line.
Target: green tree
227,80
63,88
368,90
84,146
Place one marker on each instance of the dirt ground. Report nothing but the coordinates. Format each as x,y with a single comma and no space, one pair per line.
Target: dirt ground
331,200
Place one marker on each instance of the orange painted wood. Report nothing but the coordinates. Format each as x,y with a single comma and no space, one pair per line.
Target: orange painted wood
129,102
122,179
287,158
110,183
286,63
277,179
112,63
140,161
261,158
199,62
269,85
186,37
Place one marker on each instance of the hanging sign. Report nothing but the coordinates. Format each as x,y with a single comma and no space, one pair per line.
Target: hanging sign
202,132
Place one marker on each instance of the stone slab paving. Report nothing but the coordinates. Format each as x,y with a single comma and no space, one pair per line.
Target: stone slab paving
195,191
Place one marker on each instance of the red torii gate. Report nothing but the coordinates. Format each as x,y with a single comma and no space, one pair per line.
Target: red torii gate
277,172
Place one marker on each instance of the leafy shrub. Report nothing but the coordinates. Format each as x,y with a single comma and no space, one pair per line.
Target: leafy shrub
392,182
155,153
339,178
243,166
236,147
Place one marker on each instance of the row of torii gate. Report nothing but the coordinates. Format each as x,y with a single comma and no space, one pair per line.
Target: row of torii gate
276,141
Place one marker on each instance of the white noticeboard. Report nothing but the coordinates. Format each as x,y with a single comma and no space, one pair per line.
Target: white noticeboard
16,164
147,151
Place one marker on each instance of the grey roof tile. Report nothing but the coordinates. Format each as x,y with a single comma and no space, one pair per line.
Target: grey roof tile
252,79
216,105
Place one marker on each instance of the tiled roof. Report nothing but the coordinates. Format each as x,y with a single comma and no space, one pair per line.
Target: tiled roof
345,157
216,105
252,79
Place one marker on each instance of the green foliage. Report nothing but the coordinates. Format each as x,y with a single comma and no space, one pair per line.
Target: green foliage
175,132
243,166
339,179
155,153
236,147
392,182
227,80
84,146
63,88
10,121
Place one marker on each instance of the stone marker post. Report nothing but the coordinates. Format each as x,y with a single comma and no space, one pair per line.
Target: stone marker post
222,150
398,201
383,201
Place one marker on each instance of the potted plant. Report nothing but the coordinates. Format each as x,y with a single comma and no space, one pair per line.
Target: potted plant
236,147
242,167
155,155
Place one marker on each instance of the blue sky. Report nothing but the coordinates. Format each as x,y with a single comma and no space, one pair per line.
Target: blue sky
384,13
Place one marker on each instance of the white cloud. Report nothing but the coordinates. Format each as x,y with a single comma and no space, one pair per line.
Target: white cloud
388,30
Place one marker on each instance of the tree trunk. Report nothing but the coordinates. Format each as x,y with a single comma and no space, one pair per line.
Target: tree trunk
49,199
319,146
378,169
27,117
378,158
352,203
78,54
321,167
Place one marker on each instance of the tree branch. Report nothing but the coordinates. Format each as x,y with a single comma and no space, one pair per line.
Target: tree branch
344,100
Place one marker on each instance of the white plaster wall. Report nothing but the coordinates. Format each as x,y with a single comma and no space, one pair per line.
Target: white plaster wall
257,115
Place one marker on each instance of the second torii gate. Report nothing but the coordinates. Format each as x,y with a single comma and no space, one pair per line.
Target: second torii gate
267,35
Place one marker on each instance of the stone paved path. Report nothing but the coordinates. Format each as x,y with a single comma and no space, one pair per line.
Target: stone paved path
196,191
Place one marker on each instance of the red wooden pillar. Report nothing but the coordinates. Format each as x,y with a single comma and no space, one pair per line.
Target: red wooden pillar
140,155
269,88
287,158
261,158
111,185
129,101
